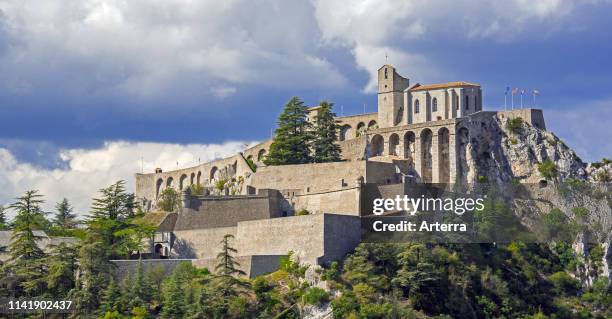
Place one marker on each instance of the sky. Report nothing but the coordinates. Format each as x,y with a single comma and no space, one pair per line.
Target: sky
93,91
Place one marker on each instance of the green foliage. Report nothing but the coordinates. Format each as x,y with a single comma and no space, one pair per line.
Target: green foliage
482,179
3,221
26,261
564,283
62,267
252,164
64,216
196,189
315,296
548,169
220,184
324,144
302,212
345,305
515,125
603,177
291,141
169,200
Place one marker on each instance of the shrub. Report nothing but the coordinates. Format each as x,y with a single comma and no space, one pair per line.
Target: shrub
196,189
548,169
315,296
606,161
303,212
332,273
220,184
513,141
345,305
603,177
564,283
514,125
169,200
373,310
482,179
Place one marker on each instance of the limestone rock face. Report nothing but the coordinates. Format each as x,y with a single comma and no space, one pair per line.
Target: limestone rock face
501,154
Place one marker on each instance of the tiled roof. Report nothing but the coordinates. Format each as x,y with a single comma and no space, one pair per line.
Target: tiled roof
443,86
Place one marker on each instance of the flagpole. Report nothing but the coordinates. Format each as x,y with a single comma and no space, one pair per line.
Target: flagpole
522,92
506,101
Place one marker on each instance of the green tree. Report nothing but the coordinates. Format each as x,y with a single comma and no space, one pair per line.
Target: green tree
62,263
111,298
26,260
291,141
173,297
3,221
64,216
169,200
324,144
227,265
140,289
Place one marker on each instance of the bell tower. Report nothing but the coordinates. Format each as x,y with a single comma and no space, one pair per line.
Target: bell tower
391,86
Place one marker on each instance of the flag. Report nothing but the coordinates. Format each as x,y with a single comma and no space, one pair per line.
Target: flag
536,92
514,91
522,91
507,90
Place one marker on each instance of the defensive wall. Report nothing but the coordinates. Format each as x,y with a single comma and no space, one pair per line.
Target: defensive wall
305,235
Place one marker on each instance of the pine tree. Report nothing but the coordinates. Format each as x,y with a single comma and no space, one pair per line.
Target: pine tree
227,264
62,263
26,258
324,145
140,290
110,297
173,298
64,217
3,221
291,142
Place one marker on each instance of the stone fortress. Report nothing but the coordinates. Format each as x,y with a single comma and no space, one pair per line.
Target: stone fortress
420,134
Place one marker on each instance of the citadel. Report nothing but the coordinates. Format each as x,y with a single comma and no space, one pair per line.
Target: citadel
420,134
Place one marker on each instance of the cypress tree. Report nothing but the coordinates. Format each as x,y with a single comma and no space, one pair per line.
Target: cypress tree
324,145
64,217
291,142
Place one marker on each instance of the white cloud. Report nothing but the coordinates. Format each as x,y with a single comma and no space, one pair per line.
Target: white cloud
88,170
371,29
148,48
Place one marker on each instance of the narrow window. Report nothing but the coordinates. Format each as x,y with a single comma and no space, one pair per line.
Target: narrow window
416,106
385,73
467,102
434,105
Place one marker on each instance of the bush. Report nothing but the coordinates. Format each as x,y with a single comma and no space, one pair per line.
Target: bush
315,296
514,125
252,164
375,311
196,189
606,161
548,169
169,200
603,177
564,283
345,305
482,179
303,212
220,184
513,141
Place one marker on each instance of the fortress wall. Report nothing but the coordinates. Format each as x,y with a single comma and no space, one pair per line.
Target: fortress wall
344,202
305,235
316,177
225,211
254,151
535,117
200,243
373,191
354,120
146,184
342,234
381,172
353,149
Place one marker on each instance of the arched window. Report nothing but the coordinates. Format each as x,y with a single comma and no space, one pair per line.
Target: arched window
416,106
434,105
467,102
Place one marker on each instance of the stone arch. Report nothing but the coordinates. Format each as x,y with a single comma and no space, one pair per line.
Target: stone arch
182,182
426,155
409,146
372,125
170,182
249,158
378,145
443,155
192,179
158,186
345,133
158,249
361,127
213,173
261,154
393,144
199,178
